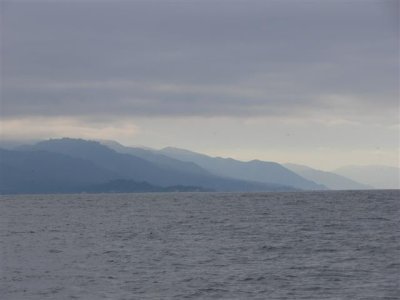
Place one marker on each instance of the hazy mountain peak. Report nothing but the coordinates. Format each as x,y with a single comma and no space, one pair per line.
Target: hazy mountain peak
117,145
329,179
255,170
184,154
176,166
75,147
155,156
175,149
378,176
69,141
298,167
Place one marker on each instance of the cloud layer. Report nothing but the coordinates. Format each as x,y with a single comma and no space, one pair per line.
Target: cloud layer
302,59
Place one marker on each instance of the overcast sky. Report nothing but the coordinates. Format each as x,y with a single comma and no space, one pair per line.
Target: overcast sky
312,82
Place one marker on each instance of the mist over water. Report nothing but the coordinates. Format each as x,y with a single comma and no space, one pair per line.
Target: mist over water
306,245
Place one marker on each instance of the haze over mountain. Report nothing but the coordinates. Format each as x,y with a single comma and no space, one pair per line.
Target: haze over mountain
267,172
154,156
255,170
380,177
330,180
47,172
131,167
77,165
32,172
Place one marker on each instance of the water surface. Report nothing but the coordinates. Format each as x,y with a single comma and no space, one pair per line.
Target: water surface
309,245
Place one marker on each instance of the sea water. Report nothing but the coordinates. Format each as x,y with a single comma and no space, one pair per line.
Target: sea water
306,245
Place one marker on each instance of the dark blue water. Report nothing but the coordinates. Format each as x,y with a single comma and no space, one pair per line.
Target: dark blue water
317,245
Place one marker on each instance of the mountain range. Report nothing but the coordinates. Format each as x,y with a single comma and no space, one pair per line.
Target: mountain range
255,170
27,169
384,177
74,165
329,179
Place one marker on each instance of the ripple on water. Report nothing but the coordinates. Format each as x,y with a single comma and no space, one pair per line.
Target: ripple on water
333,245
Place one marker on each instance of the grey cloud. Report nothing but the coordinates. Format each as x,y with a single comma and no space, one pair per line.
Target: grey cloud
223,58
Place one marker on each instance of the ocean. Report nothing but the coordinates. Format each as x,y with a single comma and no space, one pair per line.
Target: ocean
297,245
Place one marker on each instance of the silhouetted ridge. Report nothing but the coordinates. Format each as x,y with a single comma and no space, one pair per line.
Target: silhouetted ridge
255,170
158,169
331,180
47,172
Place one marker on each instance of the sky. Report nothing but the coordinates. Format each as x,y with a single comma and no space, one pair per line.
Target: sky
302,81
